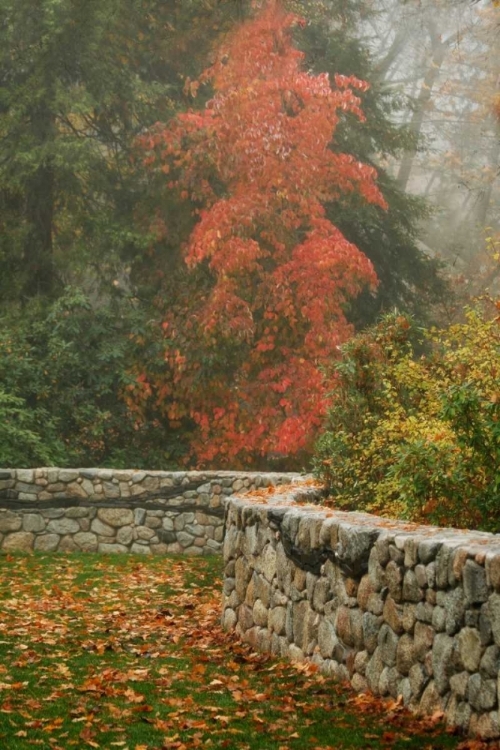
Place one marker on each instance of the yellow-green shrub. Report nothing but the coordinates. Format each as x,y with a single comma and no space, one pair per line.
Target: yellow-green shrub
417,437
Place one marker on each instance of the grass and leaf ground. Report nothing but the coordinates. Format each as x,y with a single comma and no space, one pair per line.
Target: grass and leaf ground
126,652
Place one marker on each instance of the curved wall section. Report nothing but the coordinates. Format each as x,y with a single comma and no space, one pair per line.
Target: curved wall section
394,608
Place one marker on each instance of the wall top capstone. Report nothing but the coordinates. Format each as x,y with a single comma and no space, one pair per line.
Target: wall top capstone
49,483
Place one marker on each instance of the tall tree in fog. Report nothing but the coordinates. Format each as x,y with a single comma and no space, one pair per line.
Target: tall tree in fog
408,280
444,57
263,307
78,81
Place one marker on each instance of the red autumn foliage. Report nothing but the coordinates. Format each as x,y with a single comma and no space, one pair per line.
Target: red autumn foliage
246,348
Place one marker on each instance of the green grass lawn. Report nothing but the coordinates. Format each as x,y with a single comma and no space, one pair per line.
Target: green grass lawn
127,652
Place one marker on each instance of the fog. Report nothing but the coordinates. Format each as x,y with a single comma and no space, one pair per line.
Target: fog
441,57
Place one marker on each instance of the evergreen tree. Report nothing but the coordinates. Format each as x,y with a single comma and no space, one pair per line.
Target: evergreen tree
409,280
79,79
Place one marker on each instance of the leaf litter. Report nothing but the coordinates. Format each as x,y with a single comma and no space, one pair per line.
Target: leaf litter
127,652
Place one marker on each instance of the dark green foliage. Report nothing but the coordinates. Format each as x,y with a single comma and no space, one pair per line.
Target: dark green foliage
22,442
64,370
409,280
78,82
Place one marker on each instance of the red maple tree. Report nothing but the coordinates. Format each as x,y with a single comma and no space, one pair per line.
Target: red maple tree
246,348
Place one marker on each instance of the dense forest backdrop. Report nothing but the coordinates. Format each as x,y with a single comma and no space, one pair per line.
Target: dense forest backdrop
202,201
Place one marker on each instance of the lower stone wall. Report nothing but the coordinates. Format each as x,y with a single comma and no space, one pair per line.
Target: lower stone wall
101,510
394,608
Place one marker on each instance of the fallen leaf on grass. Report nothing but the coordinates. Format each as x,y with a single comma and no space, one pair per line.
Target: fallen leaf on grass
222,719
132,696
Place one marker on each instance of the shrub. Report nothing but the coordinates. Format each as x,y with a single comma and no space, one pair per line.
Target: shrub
417,435
64,369
21,441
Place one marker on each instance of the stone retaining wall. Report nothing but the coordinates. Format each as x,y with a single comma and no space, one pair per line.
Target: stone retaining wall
393,608
102,510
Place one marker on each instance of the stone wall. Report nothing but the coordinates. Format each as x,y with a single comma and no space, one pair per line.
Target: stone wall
101,510
393,608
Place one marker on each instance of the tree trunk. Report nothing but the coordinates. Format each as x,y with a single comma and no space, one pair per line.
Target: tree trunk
416,122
